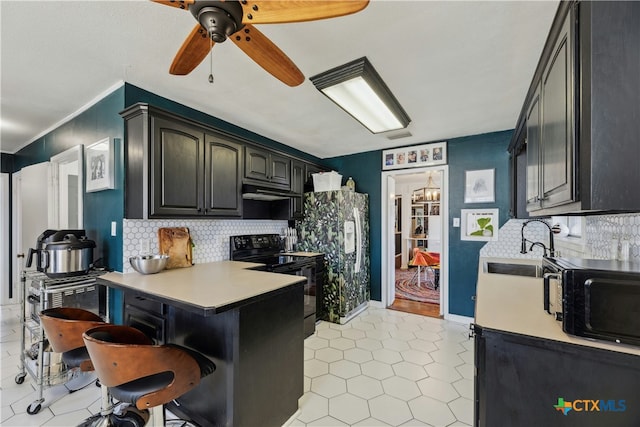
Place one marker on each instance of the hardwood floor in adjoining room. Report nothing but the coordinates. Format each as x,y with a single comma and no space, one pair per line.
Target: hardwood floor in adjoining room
416,307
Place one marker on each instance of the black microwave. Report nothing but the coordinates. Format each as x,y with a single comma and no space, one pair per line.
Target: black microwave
597,299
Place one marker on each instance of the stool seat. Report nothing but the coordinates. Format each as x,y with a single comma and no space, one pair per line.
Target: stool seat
140,373
132,391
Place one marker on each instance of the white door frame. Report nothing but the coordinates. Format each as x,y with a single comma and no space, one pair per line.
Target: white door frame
69,162
388,242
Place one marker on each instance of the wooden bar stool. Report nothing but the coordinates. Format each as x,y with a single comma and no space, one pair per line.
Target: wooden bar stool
63,327
140,373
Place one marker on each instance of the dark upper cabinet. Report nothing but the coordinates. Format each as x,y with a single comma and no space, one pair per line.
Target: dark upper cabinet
550,142
556,121
310,169
533,187
267,167
223,177
582,110
298,170
176,168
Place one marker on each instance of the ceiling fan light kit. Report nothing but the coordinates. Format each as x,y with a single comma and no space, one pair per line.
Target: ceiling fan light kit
358,89
220,19
218,22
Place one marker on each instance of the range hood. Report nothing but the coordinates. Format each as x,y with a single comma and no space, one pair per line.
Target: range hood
255,192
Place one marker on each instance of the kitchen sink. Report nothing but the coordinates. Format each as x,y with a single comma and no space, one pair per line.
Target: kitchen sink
528,270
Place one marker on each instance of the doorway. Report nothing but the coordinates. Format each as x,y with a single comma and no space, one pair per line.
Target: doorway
46,195
415,240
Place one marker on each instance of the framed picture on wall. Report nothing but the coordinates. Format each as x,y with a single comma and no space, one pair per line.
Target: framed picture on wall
479,224
99,166
480,186
415,156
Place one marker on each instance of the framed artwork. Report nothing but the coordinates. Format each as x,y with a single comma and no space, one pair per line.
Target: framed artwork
479,224
480,186
415,156
99,166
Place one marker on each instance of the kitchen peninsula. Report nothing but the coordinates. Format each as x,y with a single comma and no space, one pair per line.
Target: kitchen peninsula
249,323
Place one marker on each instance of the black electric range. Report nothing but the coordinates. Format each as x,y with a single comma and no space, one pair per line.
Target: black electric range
267,249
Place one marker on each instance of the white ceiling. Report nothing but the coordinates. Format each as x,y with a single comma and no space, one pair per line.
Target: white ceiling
458,68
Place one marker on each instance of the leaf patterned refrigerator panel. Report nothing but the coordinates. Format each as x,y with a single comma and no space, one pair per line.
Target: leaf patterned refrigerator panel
336,223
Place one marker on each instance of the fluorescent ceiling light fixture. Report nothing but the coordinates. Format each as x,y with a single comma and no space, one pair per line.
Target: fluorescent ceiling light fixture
359,90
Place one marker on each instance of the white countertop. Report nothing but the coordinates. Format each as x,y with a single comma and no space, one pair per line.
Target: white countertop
515,304
209,287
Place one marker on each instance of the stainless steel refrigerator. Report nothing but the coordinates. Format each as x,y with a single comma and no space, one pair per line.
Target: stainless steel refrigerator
336,223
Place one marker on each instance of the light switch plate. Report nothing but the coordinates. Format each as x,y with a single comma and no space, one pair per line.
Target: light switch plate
456,222
114,228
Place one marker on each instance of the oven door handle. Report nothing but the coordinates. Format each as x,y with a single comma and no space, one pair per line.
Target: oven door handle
545,280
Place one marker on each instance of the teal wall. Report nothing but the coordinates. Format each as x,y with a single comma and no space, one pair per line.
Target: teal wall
100,208
486,151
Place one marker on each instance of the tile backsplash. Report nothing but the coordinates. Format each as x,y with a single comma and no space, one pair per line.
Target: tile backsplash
210,237
599,232
509,240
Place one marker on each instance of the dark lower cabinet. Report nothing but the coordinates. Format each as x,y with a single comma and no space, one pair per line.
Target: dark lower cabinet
258,350
528,381
145,315
257,347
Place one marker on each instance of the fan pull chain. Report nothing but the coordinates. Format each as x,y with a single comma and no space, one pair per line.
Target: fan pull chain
210,60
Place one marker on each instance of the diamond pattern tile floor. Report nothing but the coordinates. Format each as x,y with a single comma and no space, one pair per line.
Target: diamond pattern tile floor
383,368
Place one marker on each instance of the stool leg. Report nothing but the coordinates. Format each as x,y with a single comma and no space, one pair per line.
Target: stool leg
106,407
156,416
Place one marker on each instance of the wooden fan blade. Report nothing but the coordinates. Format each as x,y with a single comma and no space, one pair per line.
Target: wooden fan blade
181,4
274,11
264,52
194,49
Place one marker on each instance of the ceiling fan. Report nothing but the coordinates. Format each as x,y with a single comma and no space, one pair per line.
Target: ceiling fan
219,20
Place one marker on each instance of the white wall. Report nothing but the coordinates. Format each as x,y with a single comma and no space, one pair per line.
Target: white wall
5,279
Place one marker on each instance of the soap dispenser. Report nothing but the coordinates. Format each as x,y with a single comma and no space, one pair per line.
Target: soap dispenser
351,184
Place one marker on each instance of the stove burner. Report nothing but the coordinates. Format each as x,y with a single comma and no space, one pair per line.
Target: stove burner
265,249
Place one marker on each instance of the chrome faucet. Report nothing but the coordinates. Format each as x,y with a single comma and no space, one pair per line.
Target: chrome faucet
524,250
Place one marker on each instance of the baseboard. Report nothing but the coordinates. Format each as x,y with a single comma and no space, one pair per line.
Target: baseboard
292,418
459,319
376,304
353,313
